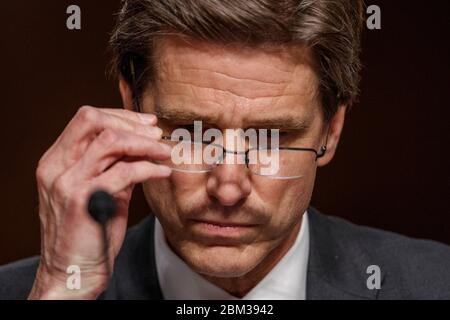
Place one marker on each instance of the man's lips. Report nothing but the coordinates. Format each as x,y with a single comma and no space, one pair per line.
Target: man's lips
222,230
225,224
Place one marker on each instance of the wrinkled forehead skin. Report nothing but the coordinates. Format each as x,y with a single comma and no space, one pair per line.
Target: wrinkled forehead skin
234,86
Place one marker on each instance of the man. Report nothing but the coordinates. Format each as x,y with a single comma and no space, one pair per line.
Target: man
223,230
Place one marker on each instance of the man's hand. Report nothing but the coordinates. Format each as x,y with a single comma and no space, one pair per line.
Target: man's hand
108,149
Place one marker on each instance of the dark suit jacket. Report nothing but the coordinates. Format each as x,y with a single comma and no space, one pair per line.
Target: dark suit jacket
340,253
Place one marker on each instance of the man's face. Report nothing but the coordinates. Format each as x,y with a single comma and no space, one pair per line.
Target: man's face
226,222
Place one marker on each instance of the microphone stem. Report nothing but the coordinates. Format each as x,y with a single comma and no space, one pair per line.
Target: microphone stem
106,249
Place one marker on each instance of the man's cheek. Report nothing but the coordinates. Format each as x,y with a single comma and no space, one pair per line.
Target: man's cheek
181,183
159,196
274,192
155,189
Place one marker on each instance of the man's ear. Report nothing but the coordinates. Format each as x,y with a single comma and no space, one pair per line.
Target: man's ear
335,126
127,94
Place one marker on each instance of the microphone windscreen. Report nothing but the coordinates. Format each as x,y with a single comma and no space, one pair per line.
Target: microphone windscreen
101,206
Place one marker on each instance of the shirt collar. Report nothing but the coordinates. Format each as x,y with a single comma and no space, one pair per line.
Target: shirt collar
287,280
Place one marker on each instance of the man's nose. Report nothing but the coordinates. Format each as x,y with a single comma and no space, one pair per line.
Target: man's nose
229,183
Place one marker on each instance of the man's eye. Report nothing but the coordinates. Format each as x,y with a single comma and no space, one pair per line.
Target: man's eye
191,127
280,133
188,127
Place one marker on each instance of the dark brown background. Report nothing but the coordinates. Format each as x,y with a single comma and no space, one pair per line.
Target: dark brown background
390,172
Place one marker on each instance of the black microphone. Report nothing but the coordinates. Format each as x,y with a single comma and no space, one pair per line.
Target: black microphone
102,207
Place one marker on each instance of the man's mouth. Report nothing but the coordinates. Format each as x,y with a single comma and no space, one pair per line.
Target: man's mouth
222,229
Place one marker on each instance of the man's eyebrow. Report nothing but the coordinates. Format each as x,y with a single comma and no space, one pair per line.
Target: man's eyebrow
285,122
179,115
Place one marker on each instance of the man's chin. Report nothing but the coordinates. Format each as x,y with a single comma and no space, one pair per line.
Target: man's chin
221,261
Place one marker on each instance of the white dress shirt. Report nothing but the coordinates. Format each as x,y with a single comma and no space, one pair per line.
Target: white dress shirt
287,280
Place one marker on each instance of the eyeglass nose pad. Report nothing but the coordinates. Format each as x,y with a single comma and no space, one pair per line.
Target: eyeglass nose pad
219,159
247,160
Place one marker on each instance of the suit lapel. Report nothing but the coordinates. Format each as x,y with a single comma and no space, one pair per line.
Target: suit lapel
337,263
135,276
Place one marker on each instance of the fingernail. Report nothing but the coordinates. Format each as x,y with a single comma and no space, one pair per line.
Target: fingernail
166,148
146,118
165,170
156,131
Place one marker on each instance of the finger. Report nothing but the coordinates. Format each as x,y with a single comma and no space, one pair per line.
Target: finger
111,146
90,121
125,174
79,133
143,118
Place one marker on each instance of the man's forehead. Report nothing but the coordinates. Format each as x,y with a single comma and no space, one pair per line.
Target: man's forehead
235,86
264,63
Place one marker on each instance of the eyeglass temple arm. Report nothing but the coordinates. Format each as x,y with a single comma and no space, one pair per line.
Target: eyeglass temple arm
323,149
